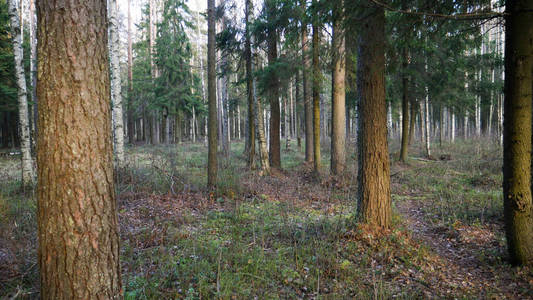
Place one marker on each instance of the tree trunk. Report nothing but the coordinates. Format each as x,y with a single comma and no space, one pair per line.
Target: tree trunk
249,87
116,88
338,108
275,147
308,106
374,200
518,206
412,121
316,98
33,67
405,108
28,173
131,121
78,232
212,96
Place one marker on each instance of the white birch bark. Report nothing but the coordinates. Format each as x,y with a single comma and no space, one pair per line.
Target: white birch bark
116,90
28,173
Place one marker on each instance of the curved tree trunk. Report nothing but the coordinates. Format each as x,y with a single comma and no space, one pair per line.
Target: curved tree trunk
116,89
338,118
212,96
374,201
517,197
28,173
78,232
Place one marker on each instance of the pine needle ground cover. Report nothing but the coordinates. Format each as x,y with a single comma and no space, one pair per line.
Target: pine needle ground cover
289,235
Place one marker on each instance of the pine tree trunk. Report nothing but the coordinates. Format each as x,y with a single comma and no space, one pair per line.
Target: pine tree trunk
275,147
212,97
116,89
338,108
78,230
374,200
33,67
316,98
405,108
308,105
249,87
518,207
28,173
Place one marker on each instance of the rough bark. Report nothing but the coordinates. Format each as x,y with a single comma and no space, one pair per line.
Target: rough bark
517,197
374,200
405,108
28,173
212,97
78,232
116,89
338,110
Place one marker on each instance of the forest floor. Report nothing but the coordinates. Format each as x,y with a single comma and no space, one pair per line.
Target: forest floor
290,235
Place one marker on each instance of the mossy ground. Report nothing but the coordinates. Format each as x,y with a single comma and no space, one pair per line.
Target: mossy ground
290,235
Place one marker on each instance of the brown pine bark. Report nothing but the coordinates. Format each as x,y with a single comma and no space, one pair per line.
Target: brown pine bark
273,93
308,105
338,118
374,200
518,207
78,233
212,97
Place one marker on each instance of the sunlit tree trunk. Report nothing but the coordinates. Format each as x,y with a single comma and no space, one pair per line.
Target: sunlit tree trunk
77,221
212,97
116,89
33,66
28,173
374,200
338,109
518,208
405,108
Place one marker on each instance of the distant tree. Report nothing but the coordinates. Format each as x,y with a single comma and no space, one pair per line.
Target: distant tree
78,231
374,199
517,197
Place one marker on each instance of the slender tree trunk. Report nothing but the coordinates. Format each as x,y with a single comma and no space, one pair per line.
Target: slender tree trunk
212,96
518,207
28,173
308,105
412,121
263,151
316,97
130,120
374,205
78,230
33,66
116,88
405,108
426,124
249,87
275,149
338,109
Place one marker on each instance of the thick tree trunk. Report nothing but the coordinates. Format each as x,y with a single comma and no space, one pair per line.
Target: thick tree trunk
308,105
212,97
28,173
316,98
338,109
78,231
374,200
518,207
116,89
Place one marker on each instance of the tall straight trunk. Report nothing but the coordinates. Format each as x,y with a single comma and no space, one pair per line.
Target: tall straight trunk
130,119
338,105
116,88
452,130
272,40
405,108
374,199
33,66
77,222
426,124
238,121
465,125
286,120
298,114
249,87
28,173
308,105
263,151
316,97
212,97
412,121
518,206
